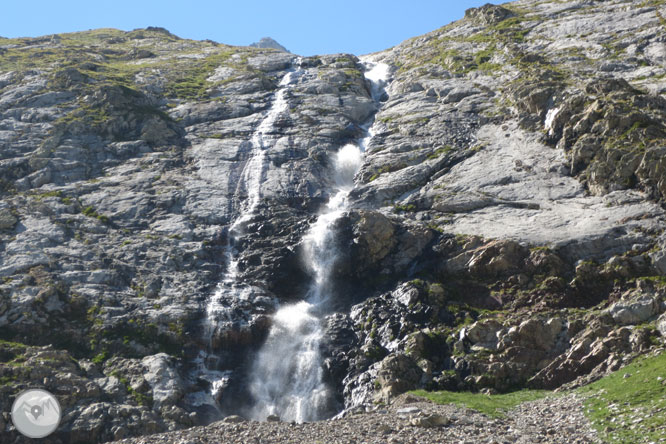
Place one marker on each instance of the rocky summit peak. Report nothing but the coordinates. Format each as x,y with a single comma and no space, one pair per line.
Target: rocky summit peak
267,42
185,226
489,14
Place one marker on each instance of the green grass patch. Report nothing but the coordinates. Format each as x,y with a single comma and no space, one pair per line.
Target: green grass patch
186,77
7,380
440,151
91,212
101,357
40,196
191,81
409,208
629,406
492,405
4,344
657,281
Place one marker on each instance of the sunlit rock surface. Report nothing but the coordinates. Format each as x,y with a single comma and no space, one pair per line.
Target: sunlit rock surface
504,227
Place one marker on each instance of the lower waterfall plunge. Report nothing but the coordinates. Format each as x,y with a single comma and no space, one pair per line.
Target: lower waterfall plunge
286,379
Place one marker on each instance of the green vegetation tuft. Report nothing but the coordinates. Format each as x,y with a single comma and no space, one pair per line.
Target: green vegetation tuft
40,196
439,151
510,29
101,357
73,64
657,281
140,398
629,406
440,50
491,405
399,208
12,344
7,380
91,212
191,81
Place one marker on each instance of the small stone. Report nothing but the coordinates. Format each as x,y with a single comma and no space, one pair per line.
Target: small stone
384,429
273,418
408,411
233,419
430,421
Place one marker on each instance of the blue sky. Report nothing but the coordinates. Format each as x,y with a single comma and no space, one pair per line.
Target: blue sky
304,27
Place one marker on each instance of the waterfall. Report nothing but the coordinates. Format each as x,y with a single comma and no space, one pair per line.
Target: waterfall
286,378
253,172
218,311
251,178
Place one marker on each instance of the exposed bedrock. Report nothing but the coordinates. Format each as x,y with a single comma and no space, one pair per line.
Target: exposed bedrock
506,228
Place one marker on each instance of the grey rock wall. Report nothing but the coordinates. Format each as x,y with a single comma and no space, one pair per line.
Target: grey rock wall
506,227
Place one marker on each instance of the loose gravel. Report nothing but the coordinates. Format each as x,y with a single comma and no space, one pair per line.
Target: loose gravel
409,420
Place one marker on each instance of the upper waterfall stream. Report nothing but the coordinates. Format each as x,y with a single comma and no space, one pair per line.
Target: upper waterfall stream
247,196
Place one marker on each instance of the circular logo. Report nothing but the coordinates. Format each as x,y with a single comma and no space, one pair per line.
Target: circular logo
36,413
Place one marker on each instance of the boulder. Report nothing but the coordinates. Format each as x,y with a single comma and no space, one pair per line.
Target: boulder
102,421
156,131
532,334
651,173
429,421
404,411
661,325
165,382
234,419
374,235
634,311
593,354
497,258
488,14
484,333
7,219
397,373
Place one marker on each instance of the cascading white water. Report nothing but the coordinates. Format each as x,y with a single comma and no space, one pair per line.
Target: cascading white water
251,178
254,169
248,193
287,378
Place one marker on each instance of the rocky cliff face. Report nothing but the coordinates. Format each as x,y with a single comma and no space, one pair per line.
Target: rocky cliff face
506,228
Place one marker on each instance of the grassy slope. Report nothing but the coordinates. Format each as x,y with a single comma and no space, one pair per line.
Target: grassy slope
626,407
108,56
491,405
629,406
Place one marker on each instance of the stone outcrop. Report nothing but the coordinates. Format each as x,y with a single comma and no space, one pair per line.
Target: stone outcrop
488,14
